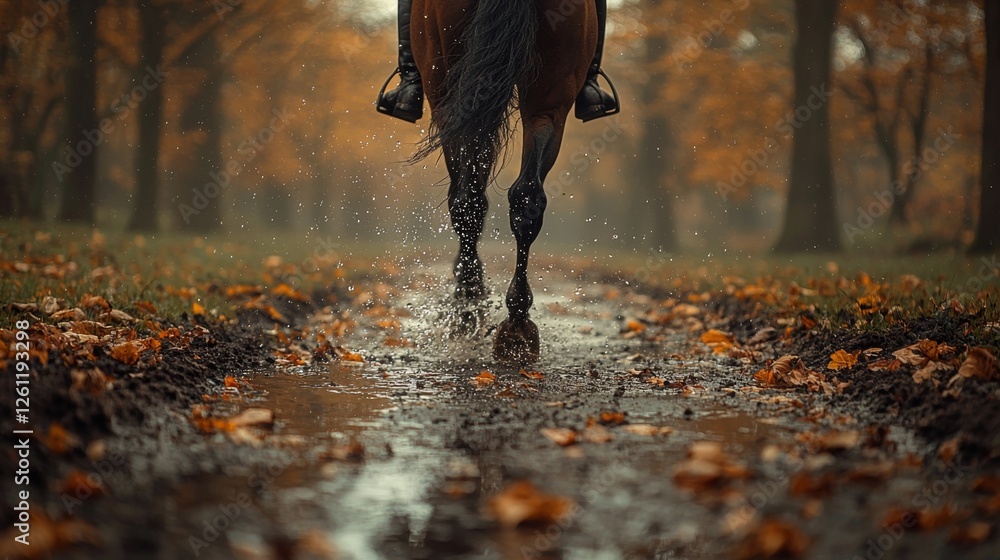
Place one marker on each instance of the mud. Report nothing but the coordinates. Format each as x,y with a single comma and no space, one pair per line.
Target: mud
398,456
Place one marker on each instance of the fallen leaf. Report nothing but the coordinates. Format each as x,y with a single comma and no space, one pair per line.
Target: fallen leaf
597,434
522,503
197,308
707,467
531,374
949,449
972,534
979,364
647,429
347,356
81,485
841,359
773,538
560,436
90,301
58,440
717,340
125,353
253,417
483,379
611,418
75,314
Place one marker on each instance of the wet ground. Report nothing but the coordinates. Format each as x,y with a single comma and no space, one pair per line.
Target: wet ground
403,455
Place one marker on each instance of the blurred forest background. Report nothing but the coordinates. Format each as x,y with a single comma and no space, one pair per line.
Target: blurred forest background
257,115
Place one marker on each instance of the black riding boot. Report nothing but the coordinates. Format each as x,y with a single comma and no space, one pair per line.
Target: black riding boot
592,102
407,100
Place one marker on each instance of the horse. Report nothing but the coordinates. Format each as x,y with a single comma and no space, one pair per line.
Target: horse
482,61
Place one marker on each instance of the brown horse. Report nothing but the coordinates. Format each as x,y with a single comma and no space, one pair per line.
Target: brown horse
481,61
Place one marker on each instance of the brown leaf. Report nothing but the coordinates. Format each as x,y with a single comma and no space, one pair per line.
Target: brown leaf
707,467
75,314
647,429
972,534
949,449
125,353
979,364
560,436
253,417
597,434
58,440
773,538
78,483
90,301
522,503
531,374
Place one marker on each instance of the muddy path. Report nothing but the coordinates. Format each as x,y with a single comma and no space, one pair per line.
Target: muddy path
617,444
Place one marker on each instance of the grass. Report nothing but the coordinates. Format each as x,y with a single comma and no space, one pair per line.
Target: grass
173,271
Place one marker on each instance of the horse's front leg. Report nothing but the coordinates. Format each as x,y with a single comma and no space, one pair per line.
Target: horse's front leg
516,341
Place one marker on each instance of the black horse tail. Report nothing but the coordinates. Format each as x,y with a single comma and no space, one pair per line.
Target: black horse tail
479,92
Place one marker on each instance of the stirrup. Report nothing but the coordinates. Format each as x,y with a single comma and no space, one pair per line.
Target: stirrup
394,111
381,93
605,112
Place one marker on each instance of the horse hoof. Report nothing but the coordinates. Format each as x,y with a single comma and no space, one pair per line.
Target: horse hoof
516,343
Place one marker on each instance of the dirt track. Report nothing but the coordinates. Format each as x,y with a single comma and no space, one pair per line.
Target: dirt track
401,456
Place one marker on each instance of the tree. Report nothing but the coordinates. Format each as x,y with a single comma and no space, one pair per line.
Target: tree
82,127
988,230
811,212
655,146
145,214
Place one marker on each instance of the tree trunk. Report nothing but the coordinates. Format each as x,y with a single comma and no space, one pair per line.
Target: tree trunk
202,185
987,238
655,146
811,212
145,214
83,129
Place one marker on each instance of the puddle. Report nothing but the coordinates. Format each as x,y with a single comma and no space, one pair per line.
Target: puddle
436,449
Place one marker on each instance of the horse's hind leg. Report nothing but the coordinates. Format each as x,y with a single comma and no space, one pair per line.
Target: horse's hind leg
467,205
516,339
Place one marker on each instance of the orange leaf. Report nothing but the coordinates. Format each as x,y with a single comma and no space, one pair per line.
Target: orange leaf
713,336
531,374
58,440
523,503
484,378
125,353
841,359
348,356
197,308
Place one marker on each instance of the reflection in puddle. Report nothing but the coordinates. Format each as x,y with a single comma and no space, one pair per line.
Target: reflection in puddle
343,399
395,504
